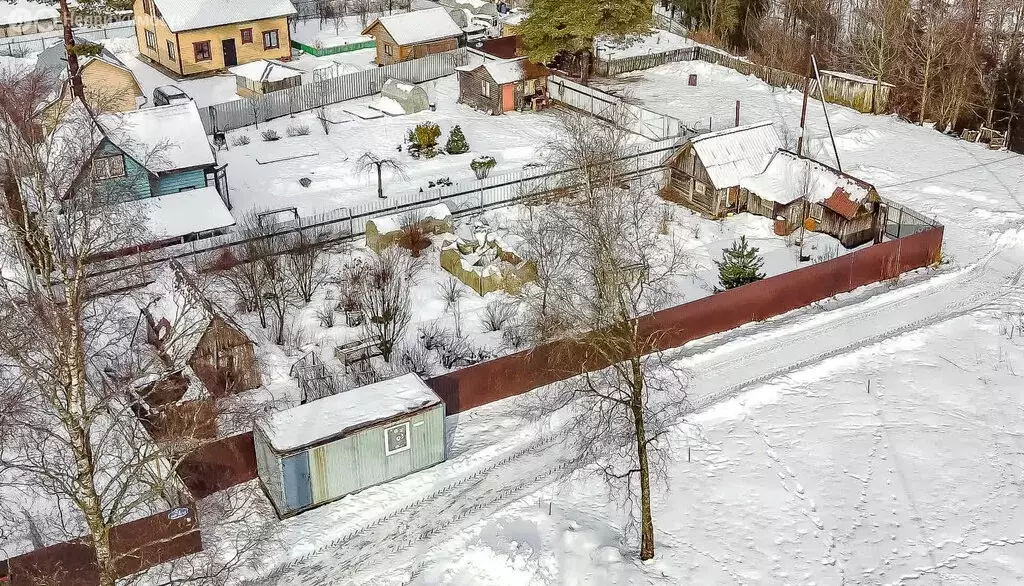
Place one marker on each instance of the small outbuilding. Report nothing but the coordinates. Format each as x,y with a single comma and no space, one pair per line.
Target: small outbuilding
412,35
503,85
796,191
398,98
397,229
316,453
705,173
265,76
860,93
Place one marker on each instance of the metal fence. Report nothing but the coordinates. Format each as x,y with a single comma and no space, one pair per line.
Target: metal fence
19,46
348,223
901,221
636,119
246,112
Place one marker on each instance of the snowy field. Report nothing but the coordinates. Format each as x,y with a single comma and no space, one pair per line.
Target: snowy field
658,41
513,139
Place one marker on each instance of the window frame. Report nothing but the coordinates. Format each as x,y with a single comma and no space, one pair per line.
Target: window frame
151,35
102,162
408,439
172,51
146,7
485,88
277,40
209,51
246,32
388,50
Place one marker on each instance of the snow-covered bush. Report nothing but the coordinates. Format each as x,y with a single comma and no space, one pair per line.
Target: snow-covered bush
423,139
298,130
457,142
270,135
482,166
497,314
241,140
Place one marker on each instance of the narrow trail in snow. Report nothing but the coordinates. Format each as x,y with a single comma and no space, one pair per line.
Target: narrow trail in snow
399,537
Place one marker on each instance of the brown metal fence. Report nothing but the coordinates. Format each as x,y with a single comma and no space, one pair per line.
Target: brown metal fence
137,545
518,373
219,465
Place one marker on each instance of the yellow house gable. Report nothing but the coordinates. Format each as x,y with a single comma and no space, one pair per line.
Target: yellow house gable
203,50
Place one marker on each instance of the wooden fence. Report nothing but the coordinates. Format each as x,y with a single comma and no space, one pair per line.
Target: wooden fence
247,112
639,62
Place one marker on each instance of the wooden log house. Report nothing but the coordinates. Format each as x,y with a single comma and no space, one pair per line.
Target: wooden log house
502,85
413,35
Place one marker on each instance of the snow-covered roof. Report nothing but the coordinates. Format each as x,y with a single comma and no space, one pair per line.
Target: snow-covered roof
185,15
852,77
394,222
53,61
420,26
165,138
265,70
24,11
339,415
507,71
732,154
789,177
183,213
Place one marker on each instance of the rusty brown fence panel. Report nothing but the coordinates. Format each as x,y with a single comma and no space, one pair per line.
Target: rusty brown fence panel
138,545
219,465
670,328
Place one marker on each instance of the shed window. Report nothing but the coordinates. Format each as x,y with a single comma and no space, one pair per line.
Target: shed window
485,89
110,167
246,36
170,51
815,211
202,51
387,49
270,40
396,439
150,39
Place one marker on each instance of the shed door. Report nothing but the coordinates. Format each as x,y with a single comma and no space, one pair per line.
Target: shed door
298,491
508,97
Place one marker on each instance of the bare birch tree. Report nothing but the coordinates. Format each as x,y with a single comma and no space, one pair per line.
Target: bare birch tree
614,268
385,297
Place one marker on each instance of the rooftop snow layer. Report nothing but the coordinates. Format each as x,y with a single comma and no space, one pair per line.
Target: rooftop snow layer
338,415
183,213
165,138
185,15
852,77
732,154
789,177
265,70
24,11
420,26
509,71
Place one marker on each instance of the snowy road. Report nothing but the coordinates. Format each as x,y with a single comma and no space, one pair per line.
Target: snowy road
758,353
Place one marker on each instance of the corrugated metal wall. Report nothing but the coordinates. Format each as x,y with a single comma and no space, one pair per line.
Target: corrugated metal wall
268,466
359,461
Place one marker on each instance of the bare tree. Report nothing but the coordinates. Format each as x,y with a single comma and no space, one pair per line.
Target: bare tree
247,275
362,9
385,297
307,262
370,162
614,268
880,37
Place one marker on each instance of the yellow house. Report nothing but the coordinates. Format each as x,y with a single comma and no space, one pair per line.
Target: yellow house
190,37
109,85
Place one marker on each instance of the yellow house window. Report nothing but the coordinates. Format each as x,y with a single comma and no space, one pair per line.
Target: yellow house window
246,36
202,51
170,51
146,8
150,39
387,49
270,40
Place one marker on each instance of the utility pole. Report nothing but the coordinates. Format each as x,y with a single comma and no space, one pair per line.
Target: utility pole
77,89
803,110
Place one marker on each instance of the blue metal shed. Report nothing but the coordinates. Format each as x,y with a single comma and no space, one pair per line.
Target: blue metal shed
321,451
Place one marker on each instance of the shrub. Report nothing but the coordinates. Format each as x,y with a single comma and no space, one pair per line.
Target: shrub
241,140
417,359
326,315
483,163
497,314
457,351
270,135
434,336
514,335
425,136
457,142
298,130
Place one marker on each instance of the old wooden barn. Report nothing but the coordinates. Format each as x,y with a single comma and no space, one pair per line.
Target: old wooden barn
412,35
860,93
321,451
797,191
502,85
704,174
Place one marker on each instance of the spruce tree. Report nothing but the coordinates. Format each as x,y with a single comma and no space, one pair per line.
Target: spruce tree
740,265
457,142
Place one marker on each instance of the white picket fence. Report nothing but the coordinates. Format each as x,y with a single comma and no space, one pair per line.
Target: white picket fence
634,118
349,223
242,113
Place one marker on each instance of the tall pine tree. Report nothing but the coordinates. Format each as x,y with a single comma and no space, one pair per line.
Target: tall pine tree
740,265
554,26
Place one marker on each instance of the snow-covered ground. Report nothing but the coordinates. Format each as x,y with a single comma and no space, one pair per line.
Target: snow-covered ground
513,139
658,41
349,30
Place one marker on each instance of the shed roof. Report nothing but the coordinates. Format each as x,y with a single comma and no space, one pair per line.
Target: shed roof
339,415
165,138
853,77
732,154
513,70
788,177
53,60
24,11
420,26
265,70
185,15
